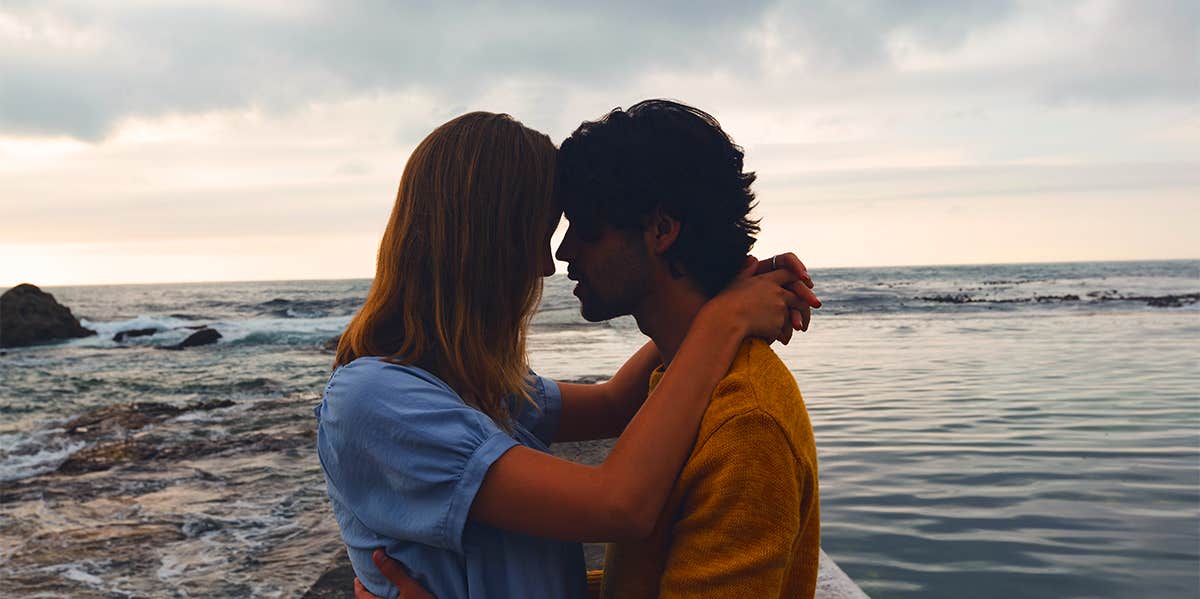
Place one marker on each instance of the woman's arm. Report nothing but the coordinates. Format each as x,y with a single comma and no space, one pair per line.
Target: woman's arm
531,492
602,410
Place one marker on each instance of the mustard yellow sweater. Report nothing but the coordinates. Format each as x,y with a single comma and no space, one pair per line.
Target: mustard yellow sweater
743,520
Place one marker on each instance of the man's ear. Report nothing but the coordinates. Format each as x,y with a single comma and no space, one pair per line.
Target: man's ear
661,231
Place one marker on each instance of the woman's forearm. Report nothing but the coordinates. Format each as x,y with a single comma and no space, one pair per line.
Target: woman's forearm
536,493
601,410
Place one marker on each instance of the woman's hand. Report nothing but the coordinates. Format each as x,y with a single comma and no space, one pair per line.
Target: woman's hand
767,305
803,287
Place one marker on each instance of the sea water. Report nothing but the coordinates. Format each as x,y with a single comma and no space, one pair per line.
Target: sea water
982,431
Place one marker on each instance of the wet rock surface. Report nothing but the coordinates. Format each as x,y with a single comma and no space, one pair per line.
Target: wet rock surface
158,499
131,416
337,582
1169,301
116,438
131,333
203,336
29,316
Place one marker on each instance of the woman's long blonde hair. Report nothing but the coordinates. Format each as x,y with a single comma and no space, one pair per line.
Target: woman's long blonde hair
459,274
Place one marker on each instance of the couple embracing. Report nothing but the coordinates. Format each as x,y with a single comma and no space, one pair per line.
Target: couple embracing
433,433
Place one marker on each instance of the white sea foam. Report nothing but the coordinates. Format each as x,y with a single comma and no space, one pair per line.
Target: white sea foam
171,567
78,575
25,455
106,329
252,331
276,330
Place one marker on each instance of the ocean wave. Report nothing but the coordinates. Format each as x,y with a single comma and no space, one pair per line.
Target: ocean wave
106,330
281,331
309,308
169,330
28,454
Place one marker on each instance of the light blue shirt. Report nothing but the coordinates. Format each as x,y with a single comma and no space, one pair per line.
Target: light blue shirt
403,457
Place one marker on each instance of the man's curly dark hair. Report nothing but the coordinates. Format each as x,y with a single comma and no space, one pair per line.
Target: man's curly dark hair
614,172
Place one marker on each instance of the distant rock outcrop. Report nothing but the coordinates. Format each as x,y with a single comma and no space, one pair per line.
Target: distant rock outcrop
204,336
331,344
29,316
123,335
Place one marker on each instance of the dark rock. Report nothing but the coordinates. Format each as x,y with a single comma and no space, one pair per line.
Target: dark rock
1173,301
963,298
336,583
956,298
588,379
93,542
132,416
331,344
110,442
1107,294
29,316
123,335
105,455
1154,301
204,336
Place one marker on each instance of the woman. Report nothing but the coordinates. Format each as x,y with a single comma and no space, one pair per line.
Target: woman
432,431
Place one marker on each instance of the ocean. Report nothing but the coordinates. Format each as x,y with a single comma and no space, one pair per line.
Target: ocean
983,431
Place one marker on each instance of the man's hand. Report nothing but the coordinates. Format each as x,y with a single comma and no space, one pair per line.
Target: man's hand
394,572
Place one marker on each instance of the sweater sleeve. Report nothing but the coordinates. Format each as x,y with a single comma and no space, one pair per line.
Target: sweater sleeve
741,515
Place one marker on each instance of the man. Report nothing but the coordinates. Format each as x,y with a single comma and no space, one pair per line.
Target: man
658,206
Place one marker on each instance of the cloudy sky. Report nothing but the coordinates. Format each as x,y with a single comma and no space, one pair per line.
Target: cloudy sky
156,140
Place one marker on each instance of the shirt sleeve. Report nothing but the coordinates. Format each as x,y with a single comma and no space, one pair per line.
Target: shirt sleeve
404,453
541,420
741,516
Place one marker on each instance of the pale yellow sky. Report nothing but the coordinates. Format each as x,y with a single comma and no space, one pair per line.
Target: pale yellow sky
139,146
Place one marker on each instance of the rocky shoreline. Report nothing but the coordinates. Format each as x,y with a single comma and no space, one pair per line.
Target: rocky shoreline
134,471
217,495
1155,301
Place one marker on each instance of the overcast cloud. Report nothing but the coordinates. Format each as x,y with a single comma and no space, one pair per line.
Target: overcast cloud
160,120
78,68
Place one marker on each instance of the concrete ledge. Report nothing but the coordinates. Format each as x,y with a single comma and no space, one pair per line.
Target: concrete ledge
337,582
832,582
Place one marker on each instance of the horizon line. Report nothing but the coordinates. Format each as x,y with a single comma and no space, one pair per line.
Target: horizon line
562,271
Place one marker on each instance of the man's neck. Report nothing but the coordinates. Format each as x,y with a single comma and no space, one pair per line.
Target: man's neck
666,315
